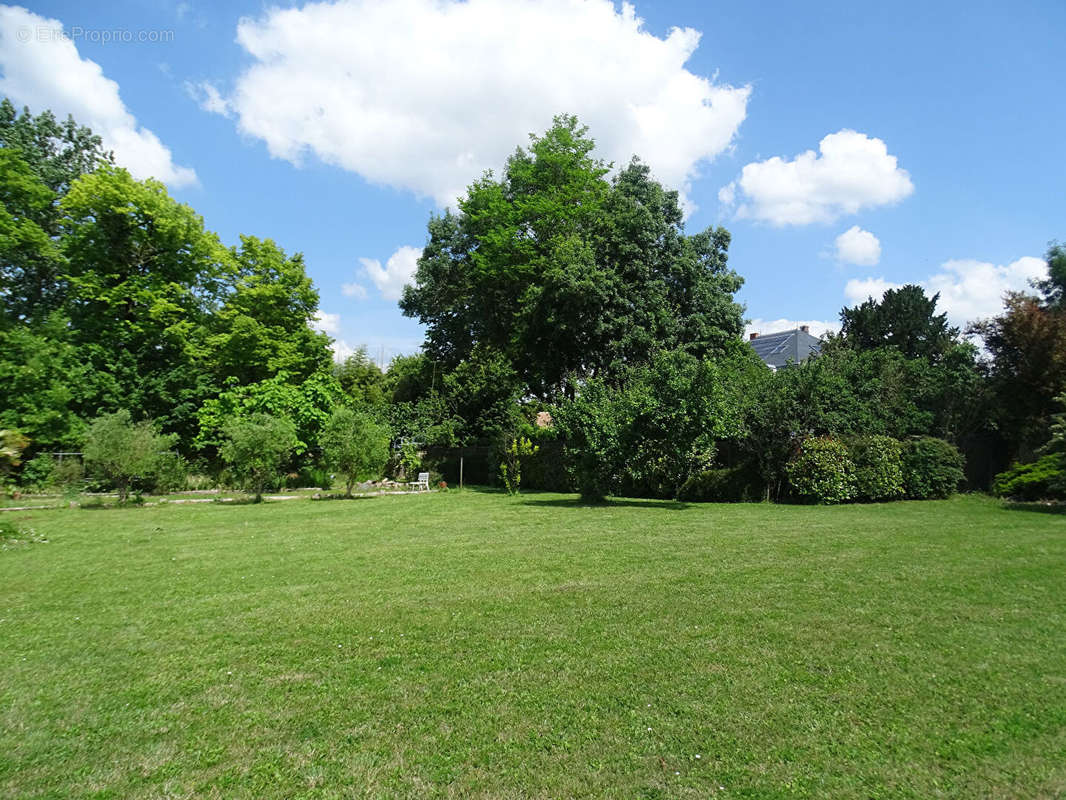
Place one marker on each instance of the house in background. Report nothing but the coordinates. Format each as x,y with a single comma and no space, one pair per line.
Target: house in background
779,350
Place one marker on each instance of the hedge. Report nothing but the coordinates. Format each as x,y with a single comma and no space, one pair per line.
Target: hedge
822,471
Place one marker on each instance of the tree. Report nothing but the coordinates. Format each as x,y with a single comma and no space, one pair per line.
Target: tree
511,466
904,319
1026,367
257,448
361,379
1053,289
263,326
647,435
120,450
354,445
144,277
567,275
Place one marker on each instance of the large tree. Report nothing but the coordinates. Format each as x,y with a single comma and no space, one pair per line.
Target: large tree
566,273
904,319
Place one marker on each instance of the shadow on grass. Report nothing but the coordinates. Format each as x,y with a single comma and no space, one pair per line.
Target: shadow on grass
577,502
324,497
1036,507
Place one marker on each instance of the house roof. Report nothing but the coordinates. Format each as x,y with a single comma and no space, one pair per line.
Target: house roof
786,347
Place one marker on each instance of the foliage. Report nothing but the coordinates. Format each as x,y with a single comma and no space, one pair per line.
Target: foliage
511,465
256,448
1053,288
121,450
648,435
12,443
1043,479
741,484
410,459
822,471
355,446
38,471
878,467
567,275
307,405
904,319
361,380
1027,368
932,468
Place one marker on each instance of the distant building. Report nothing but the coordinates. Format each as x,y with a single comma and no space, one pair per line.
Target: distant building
781,349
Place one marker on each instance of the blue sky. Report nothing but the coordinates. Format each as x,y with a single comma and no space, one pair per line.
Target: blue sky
336,129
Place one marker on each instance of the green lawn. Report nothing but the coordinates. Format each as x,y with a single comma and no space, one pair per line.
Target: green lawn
474,645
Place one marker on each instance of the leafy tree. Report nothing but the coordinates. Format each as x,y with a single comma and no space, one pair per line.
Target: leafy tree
361,379
121,450
144,277
257,447
904,319
354,445
264,324
1053,289
567,275
1026,367
308,405
652,432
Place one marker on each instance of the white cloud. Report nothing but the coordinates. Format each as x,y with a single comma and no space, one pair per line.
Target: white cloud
398,271
852,171
860,290
969,289
327,323
356,290
341,350
208,98
764,326
425,95
856,246
42,69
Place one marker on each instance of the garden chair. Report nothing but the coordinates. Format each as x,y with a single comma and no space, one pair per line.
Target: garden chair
422,482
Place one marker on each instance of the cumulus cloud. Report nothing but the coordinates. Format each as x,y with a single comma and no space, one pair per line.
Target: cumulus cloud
969,289
327,323
398,271
42,69
425,95
851,171
208,97
763,326
356,290
856,246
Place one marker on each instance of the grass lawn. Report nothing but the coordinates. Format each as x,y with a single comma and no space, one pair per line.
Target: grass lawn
475,645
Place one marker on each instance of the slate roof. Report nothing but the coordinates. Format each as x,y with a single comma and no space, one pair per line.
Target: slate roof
786,347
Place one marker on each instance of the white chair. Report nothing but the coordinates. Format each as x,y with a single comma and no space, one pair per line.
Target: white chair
422,482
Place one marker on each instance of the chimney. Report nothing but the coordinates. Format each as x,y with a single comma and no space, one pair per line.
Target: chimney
752,337
805,328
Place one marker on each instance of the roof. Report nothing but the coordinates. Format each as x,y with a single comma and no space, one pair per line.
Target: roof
786,347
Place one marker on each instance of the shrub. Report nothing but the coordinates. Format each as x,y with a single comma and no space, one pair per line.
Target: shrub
355,446
932,468
120,450
170,474
38,471
726,485
12,443
878,464
822,471
511,465
1044,479
256,448
410,459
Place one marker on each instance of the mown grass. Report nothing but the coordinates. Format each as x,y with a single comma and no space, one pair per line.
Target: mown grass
475,645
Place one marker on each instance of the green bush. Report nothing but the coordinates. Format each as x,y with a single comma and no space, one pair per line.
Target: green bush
169,474
822,471
122,452
932,468
256,449
355,446
878,464
725,485
1044,479
38,471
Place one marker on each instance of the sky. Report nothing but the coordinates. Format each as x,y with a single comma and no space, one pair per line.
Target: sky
848,146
